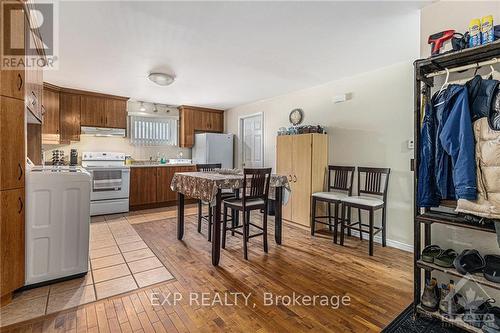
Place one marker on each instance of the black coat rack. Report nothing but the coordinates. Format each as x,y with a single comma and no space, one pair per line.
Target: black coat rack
426,217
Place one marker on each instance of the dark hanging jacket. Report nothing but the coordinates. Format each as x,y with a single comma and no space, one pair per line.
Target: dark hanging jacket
447,168
481,94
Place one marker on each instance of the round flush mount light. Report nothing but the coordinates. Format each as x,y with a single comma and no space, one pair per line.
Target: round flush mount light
161,79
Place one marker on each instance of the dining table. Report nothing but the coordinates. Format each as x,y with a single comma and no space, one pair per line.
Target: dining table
208,187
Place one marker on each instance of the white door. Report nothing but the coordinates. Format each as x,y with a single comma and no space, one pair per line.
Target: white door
252,141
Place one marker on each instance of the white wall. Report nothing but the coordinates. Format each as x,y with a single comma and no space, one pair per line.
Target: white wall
372,129
122,145
445,15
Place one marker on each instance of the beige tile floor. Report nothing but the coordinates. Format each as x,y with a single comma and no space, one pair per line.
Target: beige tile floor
120,261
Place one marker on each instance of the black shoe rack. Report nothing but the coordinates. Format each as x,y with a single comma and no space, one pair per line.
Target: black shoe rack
425,218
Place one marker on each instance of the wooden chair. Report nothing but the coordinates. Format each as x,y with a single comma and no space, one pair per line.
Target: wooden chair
340,179
255,194
372,196
209,217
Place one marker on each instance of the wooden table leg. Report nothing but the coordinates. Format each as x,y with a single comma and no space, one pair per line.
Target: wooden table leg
216,231
277,214
180,216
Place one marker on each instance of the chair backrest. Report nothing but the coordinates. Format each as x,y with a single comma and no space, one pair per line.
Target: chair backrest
208,167
256,183
340,178
373,181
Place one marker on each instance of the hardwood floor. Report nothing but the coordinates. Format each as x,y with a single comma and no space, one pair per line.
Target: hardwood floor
379,287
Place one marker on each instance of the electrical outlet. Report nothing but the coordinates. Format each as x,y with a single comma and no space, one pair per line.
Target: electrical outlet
411,144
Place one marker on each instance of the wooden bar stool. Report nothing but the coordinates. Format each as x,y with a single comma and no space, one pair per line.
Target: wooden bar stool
209,217
371,197
340,179
255,194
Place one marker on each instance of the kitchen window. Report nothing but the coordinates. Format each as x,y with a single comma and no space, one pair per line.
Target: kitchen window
153,131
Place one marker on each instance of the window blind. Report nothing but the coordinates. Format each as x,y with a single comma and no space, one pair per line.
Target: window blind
153,131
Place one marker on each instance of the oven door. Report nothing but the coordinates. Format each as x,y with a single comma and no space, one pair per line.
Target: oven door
110,183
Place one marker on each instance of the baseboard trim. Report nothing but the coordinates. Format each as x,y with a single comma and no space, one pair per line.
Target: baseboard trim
391,243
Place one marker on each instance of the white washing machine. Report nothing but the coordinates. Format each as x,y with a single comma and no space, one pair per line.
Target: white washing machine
57,222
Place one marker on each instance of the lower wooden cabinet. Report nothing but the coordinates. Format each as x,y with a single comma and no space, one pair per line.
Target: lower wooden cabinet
164,177
11,241
142,186
150,186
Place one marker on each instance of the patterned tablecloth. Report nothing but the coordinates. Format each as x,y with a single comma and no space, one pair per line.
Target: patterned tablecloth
204,185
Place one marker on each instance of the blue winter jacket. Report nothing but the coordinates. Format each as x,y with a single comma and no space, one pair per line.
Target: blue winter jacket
447,168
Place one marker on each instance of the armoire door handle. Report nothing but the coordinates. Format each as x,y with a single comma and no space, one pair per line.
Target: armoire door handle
19,81
294,178
21,205
20,171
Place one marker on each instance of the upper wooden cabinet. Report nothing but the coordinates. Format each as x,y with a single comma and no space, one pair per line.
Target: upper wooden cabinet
93,111
66,110
96,109
195,119
51,115
116,113
69,116
104,112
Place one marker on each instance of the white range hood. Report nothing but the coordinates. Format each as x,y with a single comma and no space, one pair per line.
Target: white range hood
102,131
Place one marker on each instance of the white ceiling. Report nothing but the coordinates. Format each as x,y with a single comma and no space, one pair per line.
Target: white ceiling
226,54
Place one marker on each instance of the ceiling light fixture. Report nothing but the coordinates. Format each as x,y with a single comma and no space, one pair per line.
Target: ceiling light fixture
143,108
161,79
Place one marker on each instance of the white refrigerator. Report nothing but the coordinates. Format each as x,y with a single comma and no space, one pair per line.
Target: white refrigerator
213,148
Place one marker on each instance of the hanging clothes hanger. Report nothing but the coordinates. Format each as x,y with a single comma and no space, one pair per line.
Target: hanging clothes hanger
493,74
444,86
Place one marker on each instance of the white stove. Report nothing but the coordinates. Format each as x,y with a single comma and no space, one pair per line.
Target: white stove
110,182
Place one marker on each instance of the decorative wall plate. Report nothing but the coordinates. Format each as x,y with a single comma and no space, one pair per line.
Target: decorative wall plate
296,116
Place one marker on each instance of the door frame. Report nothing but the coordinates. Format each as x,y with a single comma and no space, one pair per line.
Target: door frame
241,134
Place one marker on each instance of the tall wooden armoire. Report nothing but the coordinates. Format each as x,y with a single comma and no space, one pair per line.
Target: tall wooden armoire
303,159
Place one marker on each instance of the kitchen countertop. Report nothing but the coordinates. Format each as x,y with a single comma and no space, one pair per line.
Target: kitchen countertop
146,165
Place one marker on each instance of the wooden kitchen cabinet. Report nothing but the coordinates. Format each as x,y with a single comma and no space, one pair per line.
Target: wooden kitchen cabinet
116,113
150,185
195,119
11,241
142,186
93,111
12,84
104,112
12,143
303,159
69,116
50,124
164,177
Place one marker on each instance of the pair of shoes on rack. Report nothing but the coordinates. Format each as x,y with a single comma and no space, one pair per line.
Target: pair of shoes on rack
467,262
482,314
434,254
444,299
471,261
